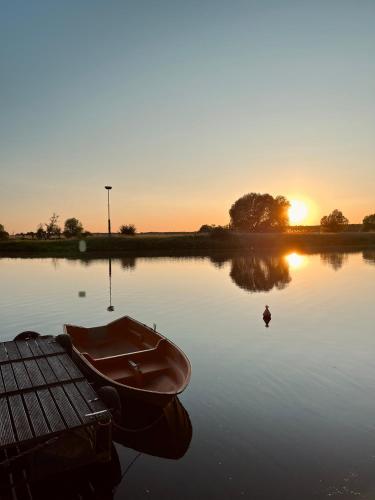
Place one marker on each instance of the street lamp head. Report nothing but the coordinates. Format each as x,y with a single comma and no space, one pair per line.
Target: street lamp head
108,187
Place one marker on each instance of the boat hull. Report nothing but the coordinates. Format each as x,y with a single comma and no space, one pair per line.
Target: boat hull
134,359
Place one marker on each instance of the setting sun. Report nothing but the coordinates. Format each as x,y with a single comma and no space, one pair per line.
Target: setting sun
297,211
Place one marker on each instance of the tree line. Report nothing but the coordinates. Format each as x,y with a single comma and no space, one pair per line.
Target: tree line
255,213
73,228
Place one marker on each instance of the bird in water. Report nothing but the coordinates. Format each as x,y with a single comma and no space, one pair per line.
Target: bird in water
267,316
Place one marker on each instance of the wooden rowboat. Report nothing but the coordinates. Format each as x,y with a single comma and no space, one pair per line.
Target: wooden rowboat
135,359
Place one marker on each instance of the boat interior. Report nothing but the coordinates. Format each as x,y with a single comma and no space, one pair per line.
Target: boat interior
132,354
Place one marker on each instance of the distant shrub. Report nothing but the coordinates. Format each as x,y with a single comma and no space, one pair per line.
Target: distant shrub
335,221
221,233
369,223
41,233
128,229
207,228
72,227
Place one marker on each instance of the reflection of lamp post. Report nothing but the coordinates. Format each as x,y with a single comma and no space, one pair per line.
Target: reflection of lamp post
110,308
108,188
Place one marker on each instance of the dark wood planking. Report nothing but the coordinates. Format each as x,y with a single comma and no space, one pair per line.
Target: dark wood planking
51,412
21,375
69,366
6,430
12,350
3,352
24,349
67,411
49,346
35,349
21,422
36,414
90,396
47,371
34,372
10,383
58,369
81,407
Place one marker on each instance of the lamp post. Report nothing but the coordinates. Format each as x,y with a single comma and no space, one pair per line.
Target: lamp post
108,188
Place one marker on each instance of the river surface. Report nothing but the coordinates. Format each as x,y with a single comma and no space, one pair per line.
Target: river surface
279,413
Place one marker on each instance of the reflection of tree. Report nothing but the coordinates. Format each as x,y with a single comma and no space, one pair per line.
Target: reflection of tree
128,262
334,259
218,260
260,273
369,256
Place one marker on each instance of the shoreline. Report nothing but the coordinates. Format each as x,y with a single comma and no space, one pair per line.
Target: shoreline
187,244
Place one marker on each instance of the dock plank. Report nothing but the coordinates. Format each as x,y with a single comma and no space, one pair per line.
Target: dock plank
50,410
69,366
6,430
42,393
34,347
24,349
36,414
3,353
45,368
12,350
21,422
90,396
58,369
49,345
34,373
82,408
10,383
67,411
21,375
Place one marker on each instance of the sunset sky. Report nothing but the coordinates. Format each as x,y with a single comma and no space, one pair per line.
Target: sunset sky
184,106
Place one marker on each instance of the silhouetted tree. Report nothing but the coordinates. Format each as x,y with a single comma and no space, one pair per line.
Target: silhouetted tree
40,233
52,228
72,227
335,259
257,212
369,223
335,221
207,228
4,235
128,229
256,273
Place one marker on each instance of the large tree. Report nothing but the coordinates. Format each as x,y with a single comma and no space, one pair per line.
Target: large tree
3,234
369,223
72,227
335,221
260,212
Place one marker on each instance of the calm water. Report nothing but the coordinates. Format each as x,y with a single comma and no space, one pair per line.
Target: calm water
285,412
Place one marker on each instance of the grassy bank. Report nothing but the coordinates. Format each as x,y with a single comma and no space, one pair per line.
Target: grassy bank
184,244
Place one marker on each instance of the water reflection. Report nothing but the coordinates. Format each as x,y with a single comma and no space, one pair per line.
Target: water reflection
128,263
110,308
369,256
334,259
260,273
162,432
96,481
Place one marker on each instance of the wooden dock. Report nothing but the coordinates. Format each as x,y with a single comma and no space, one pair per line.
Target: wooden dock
45,399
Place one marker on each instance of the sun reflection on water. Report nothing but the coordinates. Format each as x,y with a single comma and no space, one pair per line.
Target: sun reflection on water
295,260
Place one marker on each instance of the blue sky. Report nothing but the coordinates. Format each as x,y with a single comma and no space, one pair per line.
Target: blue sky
183,107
